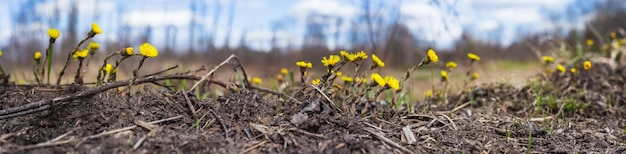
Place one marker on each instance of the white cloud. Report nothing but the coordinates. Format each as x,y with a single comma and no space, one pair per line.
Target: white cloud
85,7
178,18
322,7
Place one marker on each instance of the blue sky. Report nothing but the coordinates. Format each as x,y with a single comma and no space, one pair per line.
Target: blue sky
498,21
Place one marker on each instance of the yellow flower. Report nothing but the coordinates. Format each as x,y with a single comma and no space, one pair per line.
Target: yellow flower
359,56
475,76
338,73
377,61
128,51
108,68
573,70
80,54
257,80
37,56
284,71
95,28
147,50
331,61
316,81
547,59
0,53
346,79
451,65
304,64
392,82
337,86
444,75
93,45
378,79
589,42
428,93
560,68
613,35
361,80
432,56
621,41
53,33
587,65
279,77
473,57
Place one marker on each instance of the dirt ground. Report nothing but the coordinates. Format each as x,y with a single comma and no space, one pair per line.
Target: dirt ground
491,118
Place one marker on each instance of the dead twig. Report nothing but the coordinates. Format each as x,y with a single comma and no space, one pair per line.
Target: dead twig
46,144
386,140
220,120
254,147
191,107
204,78
328,99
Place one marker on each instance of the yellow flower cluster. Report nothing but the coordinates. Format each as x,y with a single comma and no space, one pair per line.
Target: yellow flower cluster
147,50
353,57
473,57
331,60
53,33
303,64
377,61
80,54
37,55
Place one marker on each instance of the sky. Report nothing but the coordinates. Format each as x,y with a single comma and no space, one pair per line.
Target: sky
499,21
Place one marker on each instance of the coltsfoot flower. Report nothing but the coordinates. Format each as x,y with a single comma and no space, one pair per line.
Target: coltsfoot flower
93,45
428,93
347,79
80,54
303,64
475,76
128,51
108,68
95,28
574,70
284,71
587,65
147,50
451,65
331,60
378,79
473,57
54,33
444,75
432,56
316,82
37,56
257,80
392,82
560,68
589,42
547,59
377,61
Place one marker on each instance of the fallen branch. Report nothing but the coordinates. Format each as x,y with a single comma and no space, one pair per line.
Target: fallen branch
46,144
64,99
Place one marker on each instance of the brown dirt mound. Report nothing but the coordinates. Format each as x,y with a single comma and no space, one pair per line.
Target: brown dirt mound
499,119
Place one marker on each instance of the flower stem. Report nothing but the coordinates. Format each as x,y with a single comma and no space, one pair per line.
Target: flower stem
47,61
67,61
78,79
135,72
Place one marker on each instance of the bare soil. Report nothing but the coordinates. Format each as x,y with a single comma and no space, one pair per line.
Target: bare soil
492,118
